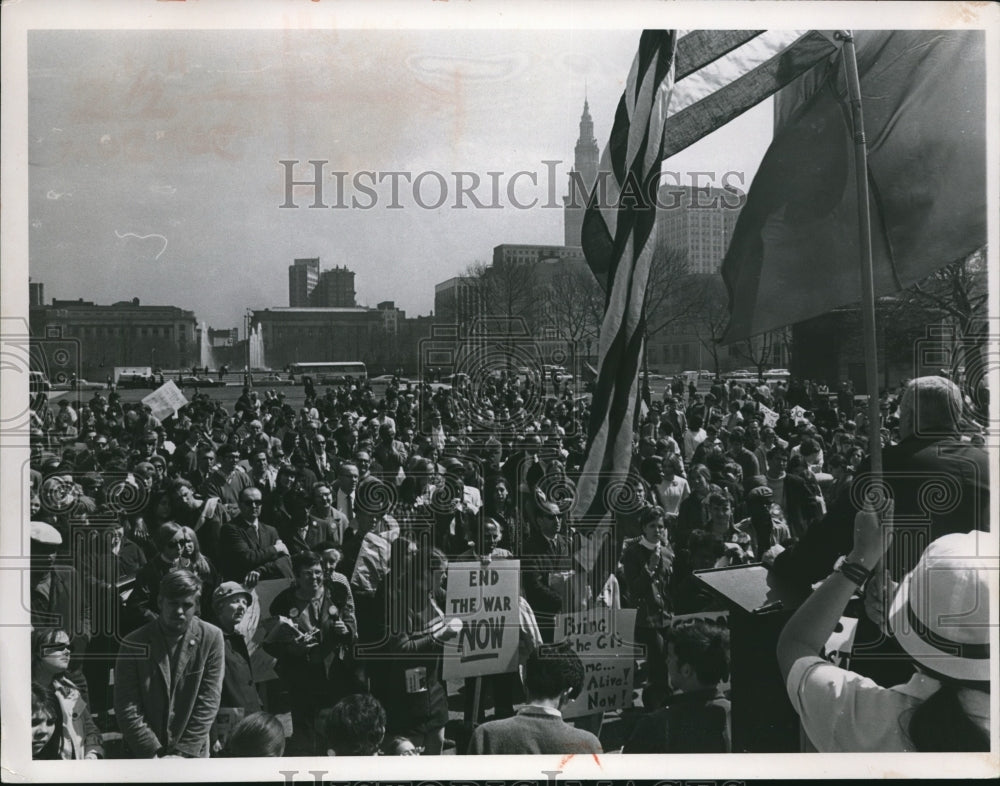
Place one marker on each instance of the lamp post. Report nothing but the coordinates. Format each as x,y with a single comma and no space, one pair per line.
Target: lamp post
248,322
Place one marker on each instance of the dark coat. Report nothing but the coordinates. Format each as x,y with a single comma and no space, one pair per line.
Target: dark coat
542,558
939,487
694,722
151,716
239,688
240,552
648,593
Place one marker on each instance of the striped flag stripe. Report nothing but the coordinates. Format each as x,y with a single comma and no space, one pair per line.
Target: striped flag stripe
736,71
719,75
727,88
700,47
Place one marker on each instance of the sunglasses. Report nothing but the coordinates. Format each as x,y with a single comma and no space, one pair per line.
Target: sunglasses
51,649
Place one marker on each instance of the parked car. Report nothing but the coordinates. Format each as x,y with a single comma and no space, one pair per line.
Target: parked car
190,381
136,381
78,384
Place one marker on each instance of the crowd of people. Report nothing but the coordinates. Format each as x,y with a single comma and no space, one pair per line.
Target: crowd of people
149,539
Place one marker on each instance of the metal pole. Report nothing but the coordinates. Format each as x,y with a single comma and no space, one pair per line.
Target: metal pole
864,227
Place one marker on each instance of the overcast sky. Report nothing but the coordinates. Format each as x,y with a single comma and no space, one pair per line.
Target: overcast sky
154,155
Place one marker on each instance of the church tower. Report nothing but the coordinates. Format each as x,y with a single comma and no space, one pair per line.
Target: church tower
581,178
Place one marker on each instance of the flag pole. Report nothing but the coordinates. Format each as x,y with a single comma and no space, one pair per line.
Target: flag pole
864,227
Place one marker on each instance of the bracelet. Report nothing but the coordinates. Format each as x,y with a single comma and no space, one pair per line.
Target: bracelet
855,572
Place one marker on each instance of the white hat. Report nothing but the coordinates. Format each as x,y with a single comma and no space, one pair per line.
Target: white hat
941,615
45,534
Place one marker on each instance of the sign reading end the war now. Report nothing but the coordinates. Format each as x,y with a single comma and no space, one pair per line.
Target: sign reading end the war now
603,640
485,599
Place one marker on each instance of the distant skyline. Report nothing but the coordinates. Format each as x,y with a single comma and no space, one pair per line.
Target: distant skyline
154,156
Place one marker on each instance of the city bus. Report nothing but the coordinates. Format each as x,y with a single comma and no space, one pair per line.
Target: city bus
330,373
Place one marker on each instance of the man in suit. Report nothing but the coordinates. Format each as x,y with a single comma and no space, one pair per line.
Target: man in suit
549,575
344,489
553,676
249,549
168,676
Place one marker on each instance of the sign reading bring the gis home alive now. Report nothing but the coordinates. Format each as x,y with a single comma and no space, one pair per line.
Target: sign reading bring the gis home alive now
603,640
485,599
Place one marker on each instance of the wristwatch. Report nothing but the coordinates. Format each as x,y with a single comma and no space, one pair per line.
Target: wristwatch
854,571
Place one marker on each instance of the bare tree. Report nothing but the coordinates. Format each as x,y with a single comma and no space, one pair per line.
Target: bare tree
673,294
710,314
573,304
760,351
958,292
509,289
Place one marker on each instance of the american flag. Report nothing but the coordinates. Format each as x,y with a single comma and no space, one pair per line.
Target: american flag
681,87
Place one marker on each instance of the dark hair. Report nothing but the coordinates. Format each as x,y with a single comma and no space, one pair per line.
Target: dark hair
551,669
355,725
303,560
44,702
942,725
258,734
703,645
719,498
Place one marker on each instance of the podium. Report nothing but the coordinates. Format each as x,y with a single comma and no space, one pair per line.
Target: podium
763,719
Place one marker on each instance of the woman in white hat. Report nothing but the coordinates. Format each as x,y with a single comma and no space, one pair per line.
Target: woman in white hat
940,616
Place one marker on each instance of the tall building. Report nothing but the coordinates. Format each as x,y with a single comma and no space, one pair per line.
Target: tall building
456,300
698,222
581,179
36,293
99,337
335,289
694,227
303,276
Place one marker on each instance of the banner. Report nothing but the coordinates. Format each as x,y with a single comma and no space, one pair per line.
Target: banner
165,400
603,640
486,599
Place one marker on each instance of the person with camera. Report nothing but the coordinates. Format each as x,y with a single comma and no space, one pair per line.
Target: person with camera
308,638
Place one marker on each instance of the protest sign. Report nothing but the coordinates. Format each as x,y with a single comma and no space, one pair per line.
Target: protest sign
165,400
603,640
485,598
254,626
770,416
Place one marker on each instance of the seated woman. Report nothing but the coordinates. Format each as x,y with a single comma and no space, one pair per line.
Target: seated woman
941,620
74,735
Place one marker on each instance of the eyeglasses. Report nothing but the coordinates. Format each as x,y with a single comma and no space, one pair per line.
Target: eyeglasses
52,649
253,503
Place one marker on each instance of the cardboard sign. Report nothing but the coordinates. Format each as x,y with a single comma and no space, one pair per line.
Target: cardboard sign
165,400
486,599
254,627
770,416
603,640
